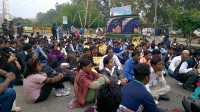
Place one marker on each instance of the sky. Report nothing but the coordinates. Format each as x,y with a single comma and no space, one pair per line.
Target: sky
29,8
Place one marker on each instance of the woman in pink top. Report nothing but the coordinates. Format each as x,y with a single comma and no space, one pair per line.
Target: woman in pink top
38,86
147,58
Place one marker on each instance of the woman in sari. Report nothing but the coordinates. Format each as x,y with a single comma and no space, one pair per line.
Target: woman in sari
86,84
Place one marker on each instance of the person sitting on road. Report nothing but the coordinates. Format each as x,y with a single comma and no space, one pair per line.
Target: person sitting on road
176,61
115,48
147,57
130,64
37,48
86,84
38,86
87,55
7,93
171,53
157,83
79,48
186,72
55,57
135,95
109,102
116,76
109,52
95,52
126,54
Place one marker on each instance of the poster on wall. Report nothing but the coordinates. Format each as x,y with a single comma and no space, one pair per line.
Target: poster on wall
118,11
130,25
114,25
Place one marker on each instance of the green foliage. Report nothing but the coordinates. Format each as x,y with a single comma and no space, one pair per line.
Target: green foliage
188,20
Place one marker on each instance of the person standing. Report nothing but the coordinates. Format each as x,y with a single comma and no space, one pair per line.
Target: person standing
20,30
11,30
54,32
60,31
5,27
73,31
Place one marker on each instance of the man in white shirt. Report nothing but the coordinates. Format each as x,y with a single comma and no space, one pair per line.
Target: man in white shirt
109,52
157,84
176,61
187,73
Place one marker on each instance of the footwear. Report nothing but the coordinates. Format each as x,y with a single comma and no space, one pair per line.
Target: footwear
163,98
15,108
63,92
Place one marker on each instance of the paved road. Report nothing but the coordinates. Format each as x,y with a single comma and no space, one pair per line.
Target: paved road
59,104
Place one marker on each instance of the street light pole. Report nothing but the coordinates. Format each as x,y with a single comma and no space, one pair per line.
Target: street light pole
155,19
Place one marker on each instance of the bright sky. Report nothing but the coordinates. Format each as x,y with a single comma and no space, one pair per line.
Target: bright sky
29,8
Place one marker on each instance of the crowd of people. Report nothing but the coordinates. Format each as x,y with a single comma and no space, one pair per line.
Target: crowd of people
118,75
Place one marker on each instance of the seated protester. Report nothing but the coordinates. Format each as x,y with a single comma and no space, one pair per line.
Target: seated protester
38,86
116,76
9,63
144,48
87,55
130,64
55,57
157,83
13,48
192,50
153,46
180,48
46,47
69,47
162,50
26,39
27,48
109,52
126,54
147,58
21,44
115,48
186,72
7,93
109,102
38,50
176,61
61,47
135,95
7,47
156,53
95,52
79,48
86,84
169,56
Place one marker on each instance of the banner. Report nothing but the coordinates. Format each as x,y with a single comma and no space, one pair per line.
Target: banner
130,25
114,25
65,20
117,11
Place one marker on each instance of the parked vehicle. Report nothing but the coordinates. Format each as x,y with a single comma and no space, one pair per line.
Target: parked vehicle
148,31
175,31
197,32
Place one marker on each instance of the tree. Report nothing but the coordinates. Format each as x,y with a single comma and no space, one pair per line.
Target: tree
188,21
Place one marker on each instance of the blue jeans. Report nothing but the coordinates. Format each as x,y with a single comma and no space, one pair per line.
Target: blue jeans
60,35
7,97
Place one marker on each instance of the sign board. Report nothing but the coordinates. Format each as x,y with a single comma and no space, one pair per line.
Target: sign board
123,25
65,20
97,60
118,11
